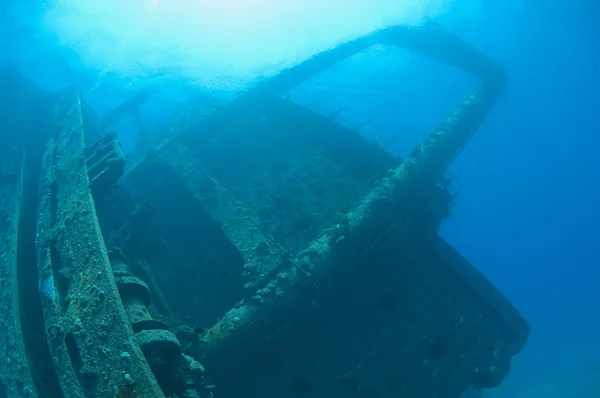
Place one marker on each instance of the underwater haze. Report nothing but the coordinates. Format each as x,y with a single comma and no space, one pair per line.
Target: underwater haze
528,207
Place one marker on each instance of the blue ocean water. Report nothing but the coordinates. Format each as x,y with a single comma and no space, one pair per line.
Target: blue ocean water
528,209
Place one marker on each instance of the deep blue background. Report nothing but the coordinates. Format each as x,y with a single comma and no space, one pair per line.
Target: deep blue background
529,215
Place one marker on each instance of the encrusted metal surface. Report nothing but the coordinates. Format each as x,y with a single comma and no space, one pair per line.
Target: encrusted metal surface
89,335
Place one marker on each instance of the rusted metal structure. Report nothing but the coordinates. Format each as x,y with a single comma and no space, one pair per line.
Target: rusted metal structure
309,257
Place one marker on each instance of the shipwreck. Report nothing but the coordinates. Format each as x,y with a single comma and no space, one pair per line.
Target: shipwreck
253,249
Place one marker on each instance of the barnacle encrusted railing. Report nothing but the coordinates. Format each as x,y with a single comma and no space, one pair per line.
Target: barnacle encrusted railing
309,274
91,343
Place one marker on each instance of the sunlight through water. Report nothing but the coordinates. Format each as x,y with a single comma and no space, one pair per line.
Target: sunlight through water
216,43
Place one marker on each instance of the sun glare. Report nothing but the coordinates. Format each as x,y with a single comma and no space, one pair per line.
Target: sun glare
208,40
